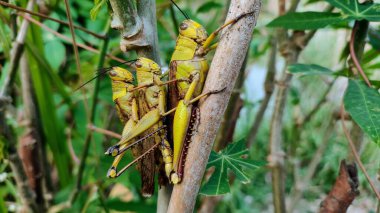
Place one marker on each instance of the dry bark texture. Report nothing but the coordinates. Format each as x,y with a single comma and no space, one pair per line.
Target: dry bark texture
137,25
344,190
223,73
31,142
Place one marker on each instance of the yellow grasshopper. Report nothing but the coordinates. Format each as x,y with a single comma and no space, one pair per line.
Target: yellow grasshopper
132,109
189,62
188,68
150,102
126,103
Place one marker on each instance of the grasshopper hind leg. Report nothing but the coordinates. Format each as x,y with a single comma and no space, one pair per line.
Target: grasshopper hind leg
167,155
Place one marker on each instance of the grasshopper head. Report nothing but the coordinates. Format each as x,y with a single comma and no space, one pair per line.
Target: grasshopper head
120,74
193,30
146,65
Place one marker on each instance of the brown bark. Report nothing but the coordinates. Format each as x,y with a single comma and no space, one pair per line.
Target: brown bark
344,190
31,142
227,127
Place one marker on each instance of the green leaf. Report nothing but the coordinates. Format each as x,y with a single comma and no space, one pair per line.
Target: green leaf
231,158
5,40
3,207
97,6
204,8
353,9
306,20
43,87
119,205
374,39
309,69
363,104
55,58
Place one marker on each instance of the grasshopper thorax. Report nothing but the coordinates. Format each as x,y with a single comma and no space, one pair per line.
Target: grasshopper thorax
193,30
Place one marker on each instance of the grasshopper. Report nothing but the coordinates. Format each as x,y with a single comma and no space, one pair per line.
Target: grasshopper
189,62
131,107
141,111
128,111
188,70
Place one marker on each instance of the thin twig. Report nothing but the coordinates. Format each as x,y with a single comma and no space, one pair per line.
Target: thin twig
51,19
312,166
63,37
31,142
290,48
268,87
355,153
74,157
293,5
353,54
315,109
102,198
16,52
281,7
104,131
76,53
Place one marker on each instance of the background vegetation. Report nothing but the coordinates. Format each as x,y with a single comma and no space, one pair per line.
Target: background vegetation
307,137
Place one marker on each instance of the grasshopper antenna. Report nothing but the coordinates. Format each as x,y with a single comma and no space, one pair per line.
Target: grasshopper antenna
104,70
183,12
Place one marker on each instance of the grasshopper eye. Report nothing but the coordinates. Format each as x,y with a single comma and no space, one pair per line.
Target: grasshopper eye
112,73
138,64
183,26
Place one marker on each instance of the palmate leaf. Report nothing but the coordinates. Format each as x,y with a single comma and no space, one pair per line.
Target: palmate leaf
363,104
353,9
231,158
306,20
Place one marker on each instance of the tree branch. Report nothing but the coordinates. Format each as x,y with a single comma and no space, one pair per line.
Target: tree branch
300,188
31,142
290,48
268,87
228,124
224,70
16,52
344,190
7,135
